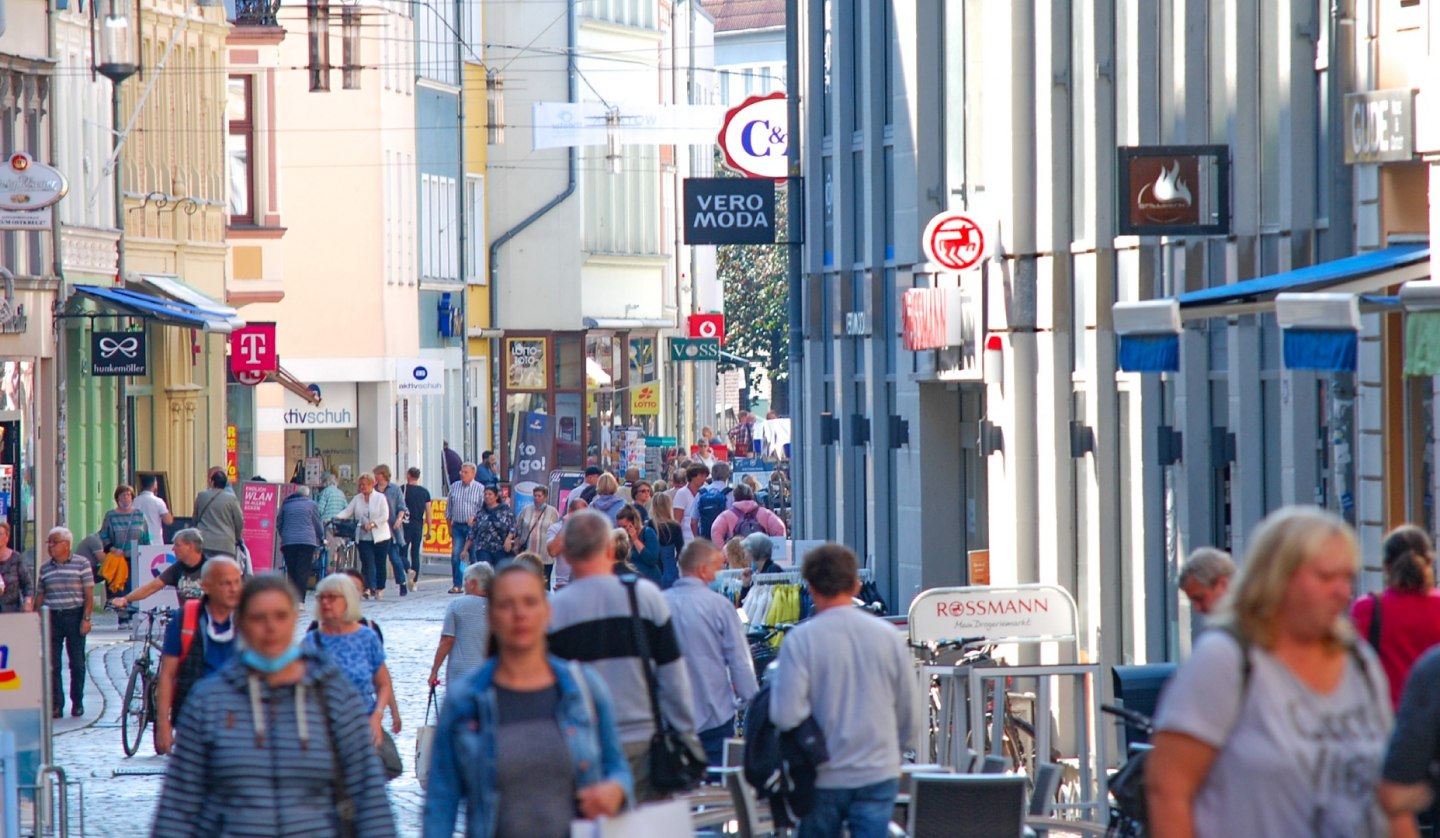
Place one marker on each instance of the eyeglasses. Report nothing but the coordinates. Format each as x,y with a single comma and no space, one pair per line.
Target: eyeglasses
323,597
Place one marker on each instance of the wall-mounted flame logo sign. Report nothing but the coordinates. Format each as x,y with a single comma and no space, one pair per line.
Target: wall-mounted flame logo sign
127,347
1165,197
9,678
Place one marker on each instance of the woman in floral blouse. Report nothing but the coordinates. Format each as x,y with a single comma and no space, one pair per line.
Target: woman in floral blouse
124,529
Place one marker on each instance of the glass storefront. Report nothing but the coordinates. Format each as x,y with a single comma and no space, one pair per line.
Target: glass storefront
337,448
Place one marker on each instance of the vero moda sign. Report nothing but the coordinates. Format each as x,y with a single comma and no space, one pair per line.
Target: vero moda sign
728,210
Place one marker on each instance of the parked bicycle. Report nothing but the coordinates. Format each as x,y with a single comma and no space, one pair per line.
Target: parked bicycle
343,554
137,710
1127,784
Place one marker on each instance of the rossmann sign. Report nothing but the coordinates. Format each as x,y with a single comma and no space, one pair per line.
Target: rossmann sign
1019,613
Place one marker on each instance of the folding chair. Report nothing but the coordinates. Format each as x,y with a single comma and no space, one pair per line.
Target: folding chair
967,806
994,764
1042,797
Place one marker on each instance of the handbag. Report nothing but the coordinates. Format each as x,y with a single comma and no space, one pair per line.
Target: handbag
677,762
424,744
390,756
670,819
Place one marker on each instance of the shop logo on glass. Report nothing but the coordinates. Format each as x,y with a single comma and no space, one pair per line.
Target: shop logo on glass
421,373
128,347
9,678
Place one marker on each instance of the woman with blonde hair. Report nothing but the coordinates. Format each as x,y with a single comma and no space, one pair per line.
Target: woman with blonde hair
669,536
372,530
1276,725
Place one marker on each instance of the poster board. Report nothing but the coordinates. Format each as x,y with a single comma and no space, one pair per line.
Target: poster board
436,540
258,503
23,687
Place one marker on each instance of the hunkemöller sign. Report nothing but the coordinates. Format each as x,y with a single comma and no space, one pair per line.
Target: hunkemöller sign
1017,613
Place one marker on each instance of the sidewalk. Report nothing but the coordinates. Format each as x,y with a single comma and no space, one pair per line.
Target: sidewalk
89,748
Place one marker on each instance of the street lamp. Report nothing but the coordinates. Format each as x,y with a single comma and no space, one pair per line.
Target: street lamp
119,60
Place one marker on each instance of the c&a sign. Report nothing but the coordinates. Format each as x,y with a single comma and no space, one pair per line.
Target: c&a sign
252,349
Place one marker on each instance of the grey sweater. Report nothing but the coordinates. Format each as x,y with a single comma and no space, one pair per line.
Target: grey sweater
852,672
590,622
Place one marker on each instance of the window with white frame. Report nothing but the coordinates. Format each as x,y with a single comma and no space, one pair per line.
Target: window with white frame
622,211
437,228
641,13
475,255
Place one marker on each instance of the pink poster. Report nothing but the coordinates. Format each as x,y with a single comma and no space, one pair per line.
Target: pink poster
258,503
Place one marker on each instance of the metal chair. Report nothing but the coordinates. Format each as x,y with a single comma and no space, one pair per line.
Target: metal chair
994,764
1042,796
742,796
967,806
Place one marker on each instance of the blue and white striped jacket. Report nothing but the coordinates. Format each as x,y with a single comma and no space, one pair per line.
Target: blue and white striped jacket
252,761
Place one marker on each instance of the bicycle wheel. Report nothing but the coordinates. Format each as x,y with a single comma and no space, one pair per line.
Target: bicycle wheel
135,710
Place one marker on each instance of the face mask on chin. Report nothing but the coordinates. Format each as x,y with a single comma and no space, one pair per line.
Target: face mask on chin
269,666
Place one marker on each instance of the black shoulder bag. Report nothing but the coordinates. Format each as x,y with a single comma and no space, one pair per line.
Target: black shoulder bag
677,762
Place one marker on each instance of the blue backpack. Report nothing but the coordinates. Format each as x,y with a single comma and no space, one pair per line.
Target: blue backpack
712,502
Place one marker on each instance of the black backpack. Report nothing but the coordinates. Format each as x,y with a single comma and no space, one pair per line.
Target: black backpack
711,503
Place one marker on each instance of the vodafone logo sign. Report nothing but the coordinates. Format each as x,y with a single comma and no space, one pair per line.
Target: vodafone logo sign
708,326
756,136
954,241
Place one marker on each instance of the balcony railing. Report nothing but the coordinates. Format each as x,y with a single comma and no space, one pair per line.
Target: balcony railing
257,12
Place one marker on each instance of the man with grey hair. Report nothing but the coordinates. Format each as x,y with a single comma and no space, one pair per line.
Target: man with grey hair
555,545
183,663
184,575
759,548
1205,578
462,504
591,622
465,633
332,500
301,534
67,587
716,652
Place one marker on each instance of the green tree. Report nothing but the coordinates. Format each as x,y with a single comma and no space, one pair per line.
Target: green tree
757,295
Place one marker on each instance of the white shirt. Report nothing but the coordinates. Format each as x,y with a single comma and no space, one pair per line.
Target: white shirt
692,509
376,511
154,509
683,500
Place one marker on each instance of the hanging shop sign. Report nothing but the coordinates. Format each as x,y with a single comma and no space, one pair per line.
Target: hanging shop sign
27,184
694,349
252,350
419,376
955,241
1173,190
755,137
729,210
117,353
1381,126
707,326
645,400
525,364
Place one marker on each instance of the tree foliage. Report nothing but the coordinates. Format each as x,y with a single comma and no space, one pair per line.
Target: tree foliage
757,315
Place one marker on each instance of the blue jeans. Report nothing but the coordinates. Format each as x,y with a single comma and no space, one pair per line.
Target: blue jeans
396,557
866,811
494,557
458,533
372,558
713,741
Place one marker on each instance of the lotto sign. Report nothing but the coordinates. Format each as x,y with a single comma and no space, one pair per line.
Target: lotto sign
436,541
645,400
708,326
252,350
954,241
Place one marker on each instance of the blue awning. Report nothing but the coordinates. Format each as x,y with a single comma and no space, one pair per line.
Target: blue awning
1362,274
1327,350
1149,353
135,304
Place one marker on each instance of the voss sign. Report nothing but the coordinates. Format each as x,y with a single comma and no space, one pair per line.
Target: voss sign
755,137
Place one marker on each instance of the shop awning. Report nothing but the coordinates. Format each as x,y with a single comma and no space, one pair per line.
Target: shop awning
1149,331
136,304
171,287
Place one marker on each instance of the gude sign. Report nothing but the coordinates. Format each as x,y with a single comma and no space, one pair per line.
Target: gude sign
755,137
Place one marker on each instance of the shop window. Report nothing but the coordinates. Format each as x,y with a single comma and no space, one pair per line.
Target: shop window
569,363
239,149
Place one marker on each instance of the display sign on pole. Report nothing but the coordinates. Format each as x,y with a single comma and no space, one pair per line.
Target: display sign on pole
532,457
1015,614
755,137
117,353
729,210
436,540
694,349
252,350
1173,190
258,504
645,399
707,326
24,678
1381,126
955,241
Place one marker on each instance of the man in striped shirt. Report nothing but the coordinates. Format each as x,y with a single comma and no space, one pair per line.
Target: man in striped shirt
461,506
67,587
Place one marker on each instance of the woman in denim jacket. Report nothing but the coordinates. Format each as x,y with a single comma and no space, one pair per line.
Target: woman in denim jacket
528,741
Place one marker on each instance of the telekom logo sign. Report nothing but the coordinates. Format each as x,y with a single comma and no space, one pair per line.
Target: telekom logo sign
252,349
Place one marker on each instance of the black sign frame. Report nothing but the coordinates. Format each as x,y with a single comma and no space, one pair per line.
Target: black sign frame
756,196
1218,157
119,354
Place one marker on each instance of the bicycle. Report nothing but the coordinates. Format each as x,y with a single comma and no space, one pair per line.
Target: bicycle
341,546
138,710
1127,785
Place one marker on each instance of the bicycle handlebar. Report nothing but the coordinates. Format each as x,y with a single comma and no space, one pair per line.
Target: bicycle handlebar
1130,717
949,643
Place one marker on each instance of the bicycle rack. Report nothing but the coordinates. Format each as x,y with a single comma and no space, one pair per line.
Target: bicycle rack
42,825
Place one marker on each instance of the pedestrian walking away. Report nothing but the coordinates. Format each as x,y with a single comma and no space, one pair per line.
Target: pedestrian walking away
332,500
1252,730
372,530
301,534
275,745
714,647
462,504
453,463
840,666
528,741
417,507
153,507
745,518
606,501
67,585
1403,621
582,629
668,536
555,544
17,581
395,554
184,575
465,633
219,518
197,645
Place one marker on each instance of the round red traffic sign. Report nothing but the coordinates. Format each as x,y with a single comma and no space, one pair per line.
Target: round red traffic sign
250,379
954,241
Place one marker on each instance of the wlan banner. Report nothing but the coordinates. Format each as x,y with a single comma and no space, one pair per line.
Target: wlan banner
117,353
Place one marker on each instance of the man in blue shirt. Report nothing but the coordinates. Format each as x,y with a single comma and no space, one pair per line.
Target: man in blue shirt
485,472
211,645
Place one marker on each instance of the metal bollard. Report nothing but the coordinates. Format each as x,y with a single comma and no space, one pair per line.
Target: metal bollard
64,798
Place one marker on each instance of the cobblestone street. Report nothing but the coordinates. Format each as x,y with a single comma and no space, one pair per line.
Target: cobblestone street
120,794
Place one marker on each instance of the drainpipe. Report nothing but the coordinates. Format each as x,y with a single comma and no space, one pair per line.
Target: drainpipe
462,239
62,348
569,190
